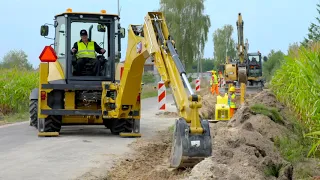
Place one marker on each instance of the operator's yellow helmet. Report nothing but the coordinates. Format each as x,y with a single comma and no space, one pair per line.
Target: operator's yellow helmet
232,89
213,72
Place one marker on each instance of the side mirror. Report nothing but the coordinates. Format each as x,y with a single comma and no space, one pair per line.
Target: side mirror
122,32
101,28
265,58
44,31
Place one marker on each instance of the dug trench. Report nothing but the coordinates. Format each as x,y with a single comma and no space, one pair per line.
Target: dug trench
249,146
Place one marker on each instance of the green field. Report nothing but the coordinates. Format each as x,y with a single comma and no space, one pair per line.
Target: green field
297,84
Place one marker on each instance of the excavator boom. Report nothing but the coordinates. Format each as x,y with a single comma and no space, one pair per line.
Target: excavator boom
242,52
192,139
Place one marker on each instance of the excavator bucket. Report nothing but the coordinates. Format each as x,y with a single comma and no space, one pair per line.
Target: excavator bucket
242,75
188,150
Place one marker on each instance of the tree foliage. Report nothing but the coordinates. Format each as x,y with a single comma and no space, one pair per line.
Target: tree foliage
207,64
274,61
314,31
16,59
188,26
223,42
148,78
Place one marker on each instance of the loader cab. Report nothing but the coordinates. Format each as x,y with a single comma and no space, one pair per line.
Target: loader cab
102,28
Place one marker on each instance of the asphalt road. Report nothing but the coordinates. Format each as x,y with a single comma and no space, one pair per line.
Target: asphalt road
78,153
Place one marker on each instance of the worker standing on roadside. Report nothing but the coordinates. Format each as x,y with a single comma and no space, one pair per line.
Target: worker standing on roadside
214,86
232,97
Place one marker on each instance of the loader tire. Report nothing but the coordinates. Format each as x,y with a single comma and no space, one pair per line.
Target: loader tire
121,125
53,124
33,113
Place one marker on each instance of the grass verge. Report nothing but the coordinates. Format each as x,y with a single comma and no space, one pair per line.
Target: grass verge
150,91
271,112
14,118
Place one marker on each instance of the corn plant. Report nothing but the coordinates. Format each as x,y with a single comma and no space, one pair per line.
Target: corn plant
16,85
297,84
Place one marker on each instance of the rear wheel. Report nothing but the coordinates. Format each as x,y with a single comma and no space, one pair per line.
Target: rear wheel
121,125
52,124
33,113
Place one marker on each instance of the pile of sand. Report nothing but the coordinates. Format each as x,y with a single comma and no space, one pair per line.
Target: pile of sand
167,114
149,162
243,148
207,110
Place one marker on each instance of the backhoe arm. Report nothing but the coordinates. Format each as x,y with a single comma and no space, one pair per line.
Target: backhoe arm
152,40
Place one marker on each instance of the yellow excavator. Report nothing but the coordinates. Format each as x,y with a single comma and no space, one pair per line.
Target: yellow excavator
236,71
112,98
247,68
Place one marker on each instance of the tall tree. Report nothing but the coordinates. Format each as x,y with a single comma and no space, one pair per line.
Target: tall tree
314,31
223,42
274,61
188,26
16,59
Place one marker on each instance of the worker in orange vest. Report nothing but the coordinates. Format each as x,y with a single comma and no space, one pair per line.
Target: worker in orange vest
214,86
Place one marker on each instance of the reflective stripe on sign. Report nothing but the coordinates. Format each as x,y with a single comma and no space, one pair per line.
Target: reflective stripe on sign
162,95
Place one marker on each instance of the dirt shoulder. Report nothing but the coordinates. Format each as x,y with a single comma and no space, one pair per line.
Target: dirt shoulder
254,144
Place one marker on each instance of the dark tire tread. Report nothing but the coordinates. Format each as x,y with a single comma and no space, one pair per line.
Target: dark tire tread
33,112
53,124
121,125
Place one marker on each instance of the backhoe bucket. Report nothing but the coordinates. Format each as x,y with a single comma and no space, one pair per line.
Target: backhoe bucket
187,149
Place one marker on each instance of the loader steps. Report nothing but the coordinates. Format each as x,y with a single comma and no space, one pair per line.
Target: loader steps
48,134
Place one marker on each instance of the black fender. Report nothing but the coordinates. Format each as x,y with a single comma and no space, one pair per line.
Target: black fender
34,94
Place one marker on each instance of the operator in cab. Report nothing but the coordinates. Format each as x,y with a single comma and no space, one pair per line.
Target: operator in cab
85,51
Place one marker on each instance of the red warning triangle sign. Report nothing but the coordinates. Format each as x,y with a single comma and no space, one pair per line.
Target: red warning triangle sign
48,55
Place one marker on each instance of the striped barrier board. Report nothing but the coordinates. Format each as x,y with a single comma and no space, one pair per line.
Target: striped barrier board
198,84
161,95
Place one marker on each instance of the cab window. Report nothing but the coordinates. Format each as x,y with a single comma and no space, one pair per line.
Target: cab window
101,38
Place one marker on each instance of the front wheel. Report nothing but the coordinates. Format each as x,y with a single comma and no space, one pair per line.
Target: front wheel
33,113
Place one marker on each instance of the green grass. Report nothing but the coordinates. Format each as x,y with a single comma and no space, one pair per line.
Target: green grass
273,170
13,118
149,90
271,112
171,128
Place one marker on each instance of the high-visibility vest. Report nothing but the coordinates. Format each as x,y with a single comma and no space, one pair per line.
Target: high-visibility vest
86,51
215,79
232,104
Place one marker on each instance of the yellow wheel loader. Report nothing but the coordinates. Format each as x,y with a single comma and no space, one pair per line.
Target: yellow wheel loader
112,98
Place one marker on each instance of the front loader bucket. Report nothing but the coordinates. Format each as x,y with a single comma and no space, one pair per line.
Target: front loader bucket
187,149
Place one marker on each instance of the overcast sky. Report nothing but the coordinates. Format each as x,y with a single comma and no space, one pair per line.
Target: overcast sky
271,24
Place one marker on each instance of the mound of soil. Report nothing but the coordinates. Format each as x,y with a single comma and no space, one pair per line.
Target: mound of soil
208,106
167,114
149,162
243,149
